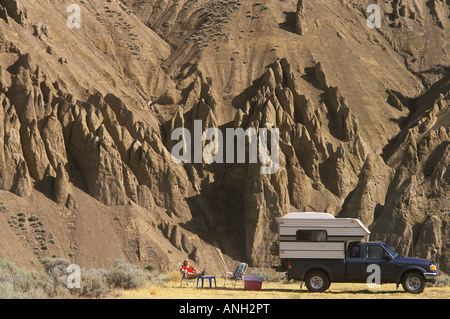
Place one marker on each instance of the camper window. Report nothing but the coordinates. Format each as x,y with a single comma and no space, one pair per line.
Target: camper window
311,235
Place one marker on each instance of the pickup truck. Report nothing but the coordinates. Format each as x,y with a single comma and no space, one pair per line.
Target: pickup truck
357,266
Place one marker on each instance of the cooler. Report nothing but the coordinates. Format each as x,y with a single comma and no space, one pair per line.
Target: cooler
252,283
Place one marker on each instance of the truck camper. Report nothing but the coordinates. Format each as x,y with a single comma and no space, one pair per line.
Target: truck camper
318,248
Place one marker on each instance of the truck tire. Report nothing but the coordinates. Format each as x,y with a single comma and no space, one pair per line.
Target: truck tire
413,282
317,281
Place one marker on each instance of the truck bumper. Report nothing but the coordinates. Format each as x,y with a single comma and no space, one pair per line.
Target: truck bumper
431,276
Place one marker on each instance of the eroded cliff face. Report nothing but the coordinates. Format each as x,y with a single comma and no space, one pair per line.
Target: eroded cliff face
87,116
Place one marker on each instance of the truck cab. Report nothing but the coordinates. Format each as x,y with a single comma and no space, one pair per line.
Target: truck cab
359,265
412,273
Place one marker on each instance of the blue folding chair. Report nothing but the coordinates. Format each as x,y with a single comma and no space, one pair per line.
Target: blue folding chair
238,275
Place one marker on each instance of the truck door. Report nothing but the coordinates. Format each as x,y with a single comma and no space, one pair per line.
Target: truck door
377,255
354,270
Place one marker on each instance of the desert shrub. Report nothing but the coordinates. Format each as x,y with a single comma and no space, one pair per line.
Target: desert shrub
126,276
7,268
19,283
56,269
94,283
32,280
7,291
150,267
442,281
266,275
155,278
33,218
175,275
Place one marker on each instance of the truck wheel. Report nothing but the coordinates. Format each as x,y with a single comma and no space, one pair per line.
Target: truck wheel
413,282
317,281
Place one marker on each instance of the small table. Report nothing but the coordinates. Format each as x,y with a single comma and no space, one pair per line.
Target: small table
210,278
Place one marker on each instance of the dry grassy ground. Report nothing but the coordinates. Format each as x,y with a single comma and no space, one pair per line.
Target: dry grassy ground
172,290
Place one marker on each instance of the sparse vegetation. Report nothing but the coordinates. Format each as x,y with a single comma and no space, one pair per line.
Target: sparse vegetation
126,276
216,14
3,207
19,283
51,280
35,235
266,275
33,218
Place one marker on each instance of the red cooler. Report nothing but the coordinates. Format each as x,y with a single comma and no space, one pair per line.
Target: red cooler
252,283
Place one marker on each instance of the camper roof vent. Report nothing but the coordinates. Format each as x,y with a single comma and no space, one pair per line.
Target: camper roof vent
308,215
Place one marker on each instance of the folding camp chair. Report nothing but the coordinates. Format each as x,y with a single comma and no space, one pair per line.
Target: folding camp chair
238,275
184,278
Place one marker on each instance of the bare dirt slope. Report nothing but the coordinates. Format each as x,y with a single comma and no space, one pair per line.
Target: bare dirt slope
87,116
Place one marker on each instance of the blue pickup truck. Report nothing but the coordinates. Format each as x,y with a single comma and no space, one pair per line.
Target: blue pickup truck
361,260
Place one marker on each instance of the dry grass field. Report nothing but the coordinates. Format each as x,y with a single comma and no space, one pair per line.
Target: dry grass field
279,290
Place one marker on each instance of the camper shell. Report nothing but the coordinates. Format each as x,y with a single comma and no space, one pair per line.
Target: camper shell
317,235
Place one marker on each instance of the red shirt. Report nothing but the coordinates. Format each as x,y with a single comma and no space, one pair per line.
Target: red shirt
189,269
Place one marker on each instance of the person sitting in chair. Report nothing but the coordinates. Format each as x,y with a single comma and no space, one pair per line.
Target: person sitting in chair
190,271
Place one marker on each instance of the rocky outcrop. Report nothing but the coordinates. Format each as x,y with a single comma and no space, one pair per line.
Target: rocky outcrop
300,25
181,240
140,194
28,102
110,148
430,239
416,195
53,139
14,10
345,125
14,175
63,189
98,159
366,201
